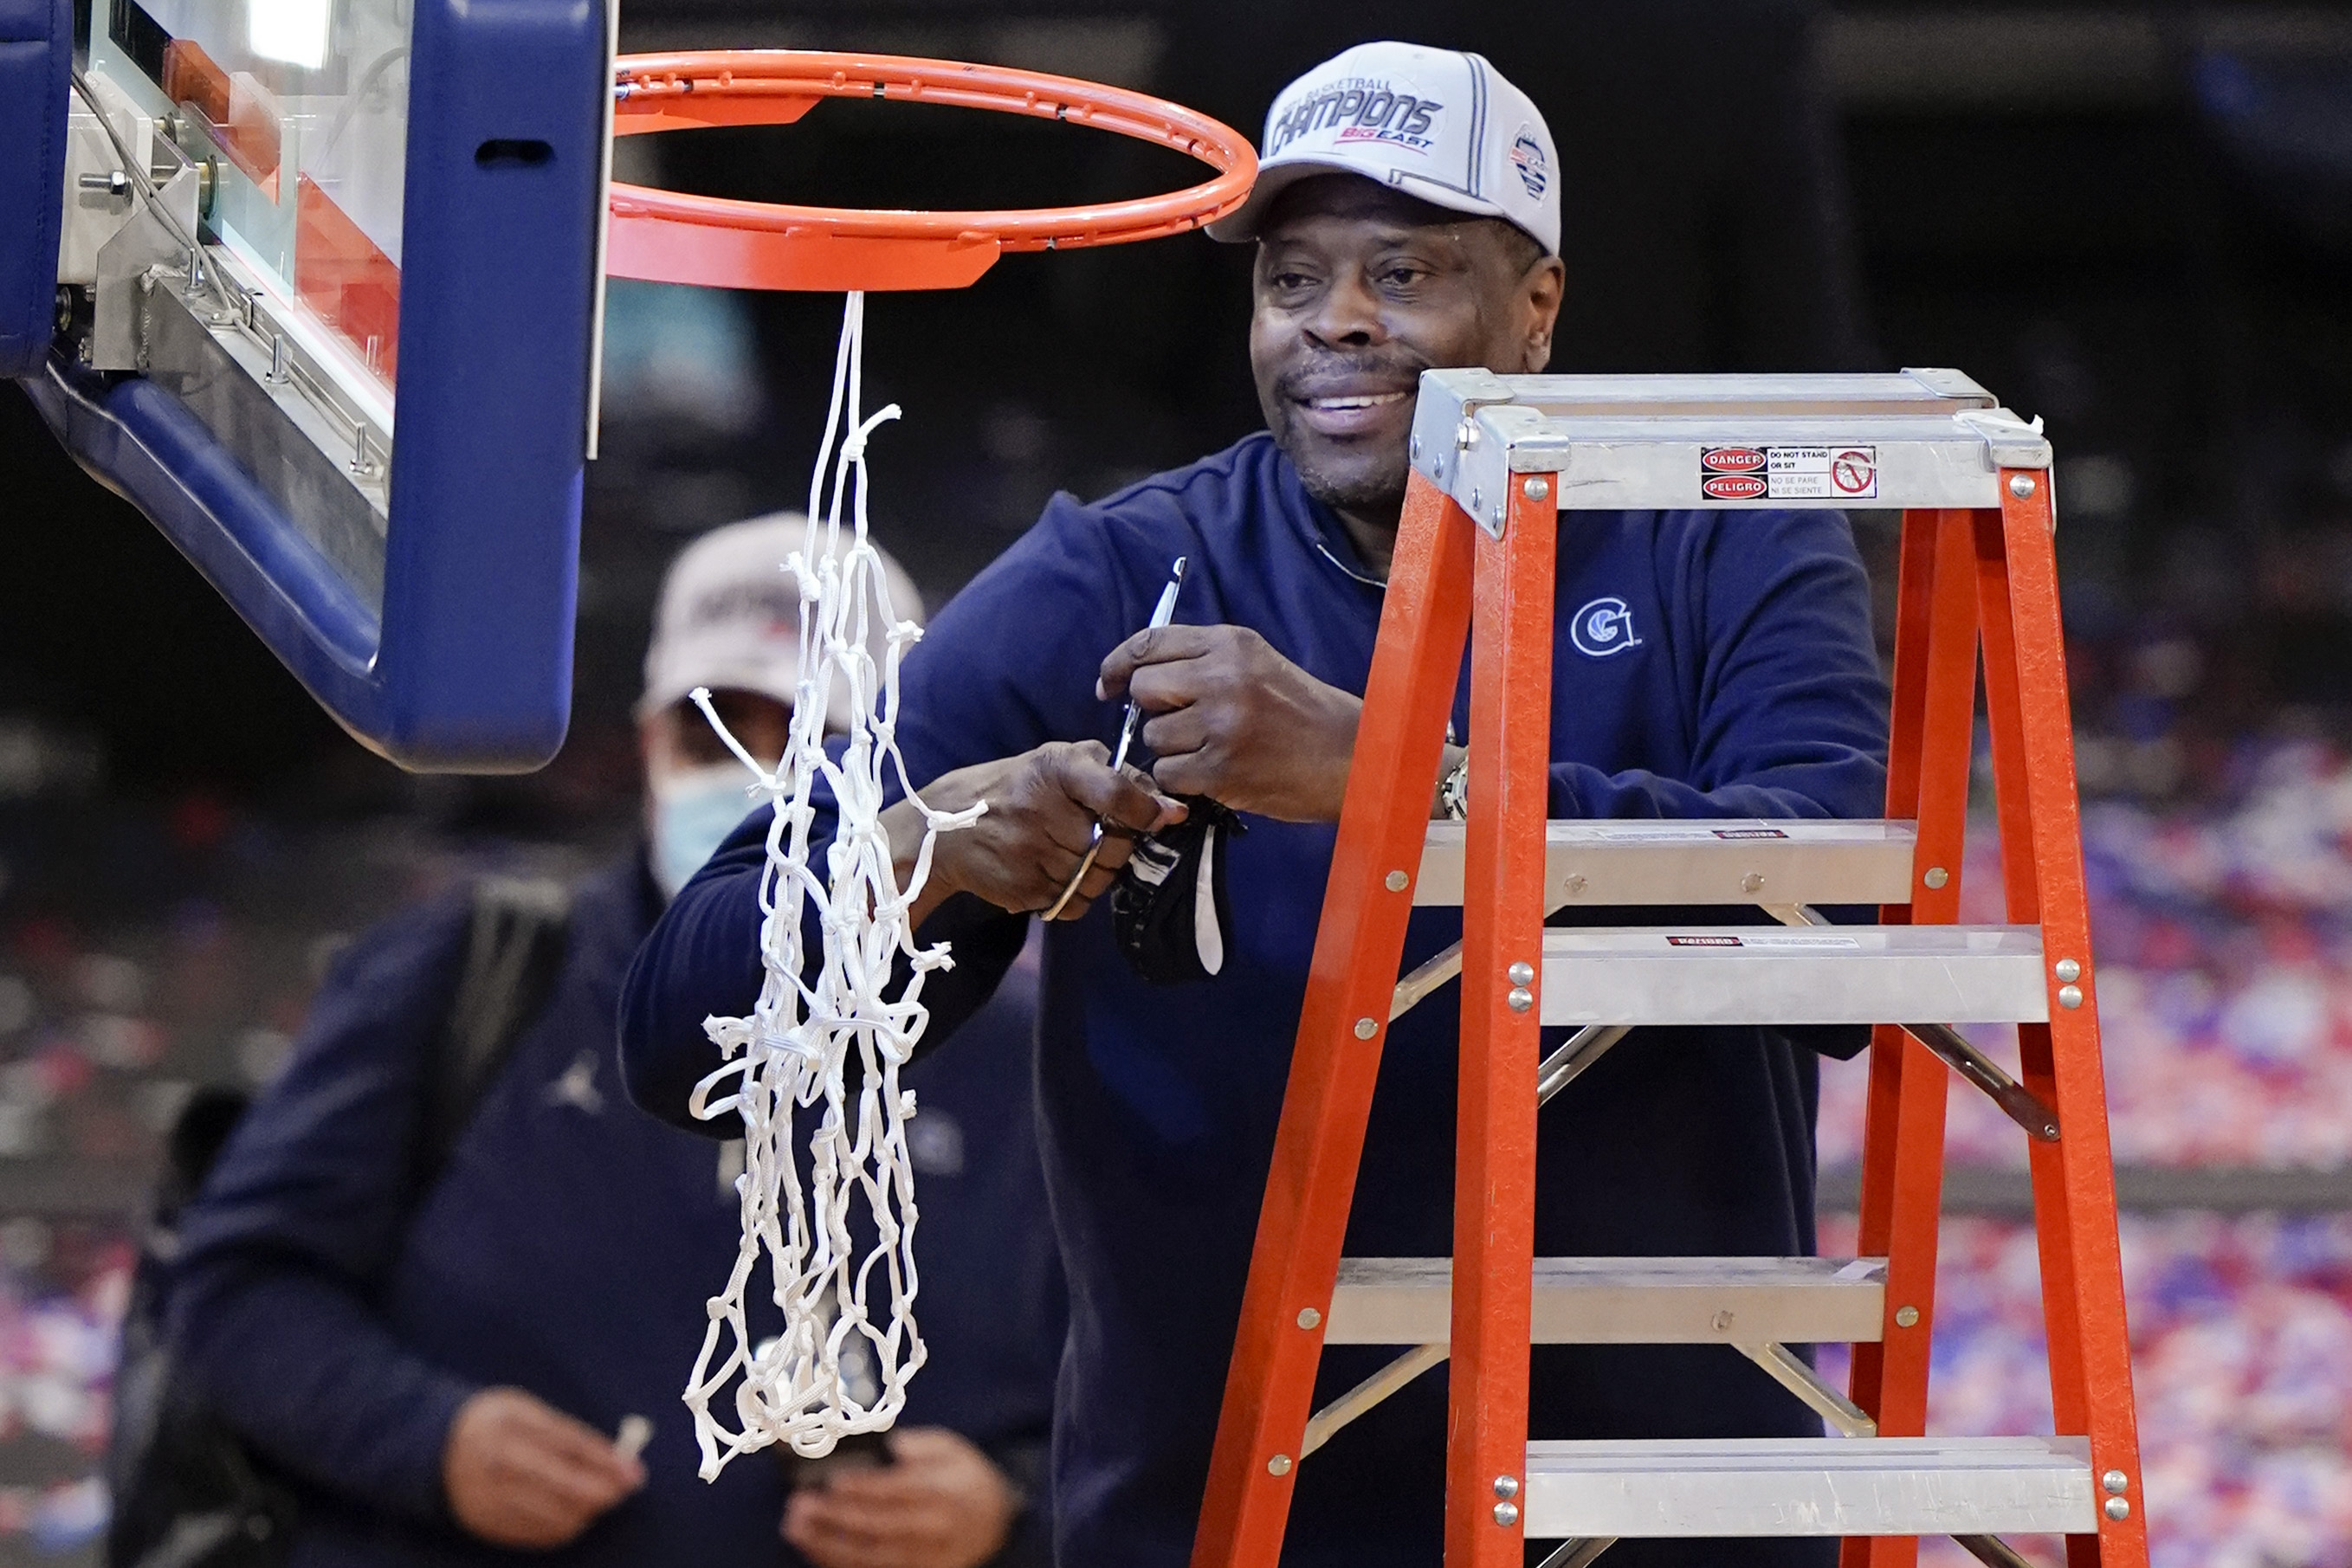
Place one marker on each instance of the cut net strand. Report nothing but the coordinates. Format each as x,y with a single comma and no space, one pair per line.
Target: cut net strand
839,1360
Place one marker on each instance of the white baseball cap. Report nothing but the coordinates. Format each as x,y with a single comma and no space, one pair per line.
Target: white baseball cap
1438,124
729,617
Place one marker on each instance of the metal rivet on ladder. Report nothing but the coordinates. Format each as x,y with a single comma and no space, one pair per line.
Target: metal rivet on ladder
1575,883
1536,489
1366,1029
1398,882
1506,1486
2021,486
1752,882
2069,996
2116,1481
1478,499
2117,1509
1906,1317
1522,974
1722,1322
1278,1466
1521,999
1936,876
1308,1317
1415,446
1507,1513
2067,969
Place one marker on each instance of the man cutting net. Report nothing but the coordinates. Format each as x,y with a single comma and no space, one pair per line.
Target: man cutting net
1706,665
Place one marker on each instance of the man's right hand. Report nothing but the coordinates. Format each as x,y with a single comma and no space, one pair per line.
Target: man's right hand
1043,806
520,1473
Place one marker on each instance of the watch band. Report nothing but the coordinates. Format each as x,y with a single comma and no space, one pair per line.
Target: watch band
1454,792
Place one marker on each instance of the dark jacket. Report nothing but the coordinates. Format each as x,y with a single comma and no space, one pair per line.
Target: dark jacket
338,1317
1707,663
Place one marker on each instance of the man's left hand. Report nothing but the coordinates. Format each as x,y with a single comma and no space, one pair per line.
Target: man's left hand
941,1505
1233,720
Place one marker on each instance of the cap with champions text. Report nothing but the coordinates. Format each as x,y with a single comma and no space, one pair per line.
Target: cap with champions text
1438,124
729,617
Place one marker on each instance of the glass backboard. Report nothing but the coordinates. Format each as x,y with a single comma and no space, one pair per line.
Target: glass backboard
301,106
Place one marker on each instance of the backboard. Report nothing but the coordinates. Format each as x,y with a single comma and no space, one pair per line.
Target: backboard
312,283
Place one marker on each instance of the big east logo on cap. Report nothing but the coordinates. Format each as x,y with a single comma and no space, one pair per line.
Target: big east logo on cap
1438,124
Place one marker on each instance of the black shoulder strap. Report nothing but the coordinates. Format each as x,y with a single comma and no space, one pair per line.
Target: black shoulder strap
514,950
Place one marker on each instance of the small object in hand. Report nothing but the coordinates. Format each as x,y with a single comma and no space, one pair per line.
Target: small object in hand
636,1432
857,1451
1161,614
1170,908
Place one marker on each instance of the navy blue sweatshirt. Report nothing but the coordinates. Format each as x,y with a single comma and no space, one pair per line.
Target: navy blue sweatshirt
338,1318
1707,664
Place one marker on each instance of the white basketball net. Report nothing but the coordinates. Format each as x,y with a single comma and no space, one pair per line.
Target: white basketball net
848,1344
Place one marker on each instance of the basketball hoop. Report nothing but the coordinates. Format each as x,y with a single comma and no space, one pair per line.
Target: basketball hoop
822,1047
669,237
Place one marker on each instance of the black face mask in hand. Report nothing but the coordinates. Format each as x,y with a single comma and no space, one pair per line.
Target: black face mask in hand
1168,906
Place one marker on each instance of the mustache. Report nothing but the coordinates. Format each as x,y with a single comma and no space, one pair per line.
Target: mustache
1328,373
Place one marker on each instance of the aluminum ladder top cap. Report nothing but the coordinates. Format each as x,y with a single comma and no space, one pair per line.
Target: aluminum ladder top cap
1917,438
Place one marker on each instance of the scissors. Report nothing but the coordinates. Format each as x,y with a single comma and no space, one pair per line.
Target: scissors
1164,612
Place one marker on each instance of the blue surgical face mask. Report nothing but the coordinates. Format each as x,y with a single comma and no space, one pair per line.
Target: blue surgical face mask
692,814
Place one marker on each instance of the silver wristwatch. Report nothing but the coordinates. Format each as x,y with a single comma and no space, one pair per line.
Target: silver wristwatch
1454,792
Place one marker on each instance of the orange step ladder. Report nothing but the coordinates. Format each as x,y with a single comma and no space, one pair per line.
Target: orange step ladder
1474,559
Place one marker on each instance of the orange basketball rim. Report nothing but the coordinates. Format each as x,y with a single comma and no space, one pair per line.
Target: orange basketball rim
670,237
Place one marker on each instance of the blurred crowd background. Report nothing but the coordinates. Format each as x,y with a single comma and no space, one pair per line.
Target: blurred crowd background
2134,221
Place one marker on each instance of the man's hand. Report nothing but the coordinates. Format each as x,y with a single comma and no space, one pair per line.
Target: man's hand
941,1505
520,1473
1043,806
1235,721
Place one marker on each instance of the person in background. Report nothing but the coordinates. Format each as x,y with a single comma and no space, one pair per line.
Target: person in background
456,1356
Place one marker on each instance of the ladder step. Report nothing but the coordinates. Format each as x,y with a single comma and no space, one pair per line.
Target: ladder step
1820,975
1628,1300
1740,394
1811,1486
1749,861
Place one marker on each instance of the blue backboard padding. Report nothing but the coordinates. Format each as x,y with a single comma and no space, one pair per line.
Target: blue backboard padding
36,62
497,275
145,442
467,667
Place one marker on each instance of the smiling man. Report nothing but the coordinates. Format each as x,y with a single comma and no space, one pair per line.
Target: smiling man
1720,664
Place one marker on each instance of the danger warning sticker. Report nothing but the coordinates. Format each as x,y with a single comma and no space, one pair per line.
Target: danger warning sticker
1788,473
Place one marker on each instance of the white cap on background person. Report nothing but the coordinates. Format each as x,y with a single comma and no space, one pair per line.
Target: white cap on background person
729,619
729,616
1438,124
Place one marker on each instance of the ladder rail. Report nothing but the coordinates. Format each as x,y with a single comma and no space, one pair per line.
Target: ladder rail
1499,1057
1384,826
2074,1178
1929,746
